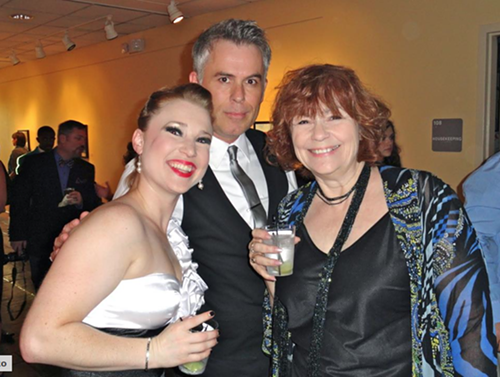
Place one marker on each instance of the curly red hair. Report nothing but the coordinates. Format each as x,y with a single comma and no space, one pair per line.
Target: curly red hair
304,90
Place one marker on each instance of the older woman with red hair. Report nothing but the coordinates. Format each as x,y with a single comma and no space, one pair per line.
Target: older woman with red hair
389,279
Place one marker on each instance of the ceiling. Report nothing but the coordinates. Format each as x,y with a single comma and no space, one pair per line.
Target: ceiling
84,20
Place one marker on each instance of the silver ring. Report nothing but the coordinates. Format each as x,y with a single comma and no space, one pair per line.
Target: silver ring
253,260
252,244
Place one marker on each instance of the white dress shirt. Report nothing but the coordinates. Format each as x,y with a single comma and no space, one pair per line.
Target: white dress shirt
249,162
219,163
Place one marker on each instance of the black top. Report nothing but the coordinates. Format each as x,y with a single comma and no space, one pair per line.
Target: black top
367,331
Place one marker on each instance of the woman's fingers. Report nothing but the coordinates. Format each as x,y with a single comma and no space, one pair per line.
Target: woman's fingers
259,262
196,320
200,342
257,251
262,234
197,325
181,342
262,248
260,254
63,236
265,261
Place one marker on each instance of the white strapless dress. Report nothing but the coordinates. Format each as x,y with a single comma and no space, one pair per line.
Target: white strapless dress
155,300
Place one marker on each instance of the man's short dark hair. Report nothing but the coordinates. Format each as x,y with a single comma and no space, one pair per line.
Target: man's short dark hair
45,131
65,128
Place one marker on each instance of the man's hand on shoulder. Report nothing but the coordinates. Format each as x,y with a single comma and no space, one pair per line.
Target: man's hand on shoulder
64,235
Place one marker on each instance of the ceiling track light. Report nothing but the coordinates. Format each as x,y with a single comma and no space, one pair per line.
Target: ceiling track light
174,13
21,17
39,52
13,58
68,43
109,28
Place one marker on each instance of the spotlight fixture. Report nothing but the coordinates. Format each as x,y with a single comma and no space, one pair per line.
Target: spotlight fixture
109,28
174,13
40,54
21,17
68,43
13,58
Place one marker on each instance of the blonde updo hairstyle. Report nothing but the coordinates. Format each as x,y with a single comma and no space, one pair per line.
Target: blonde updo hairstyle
193,93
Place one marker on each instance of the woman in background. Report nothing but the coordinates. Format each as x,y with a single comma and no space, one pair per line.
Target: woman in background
388,279
19,142
117,281
388,147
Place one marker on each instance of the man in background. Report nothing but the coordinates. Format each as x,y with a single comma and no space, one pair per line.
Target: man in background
51,189
46,137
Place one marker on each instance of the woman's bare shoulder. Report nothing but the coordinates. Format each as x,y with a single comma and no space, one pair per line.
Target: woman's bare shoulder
118,220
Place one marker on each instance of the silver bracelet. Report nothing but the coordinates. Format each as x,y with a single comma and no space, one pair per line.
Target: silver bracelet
147,354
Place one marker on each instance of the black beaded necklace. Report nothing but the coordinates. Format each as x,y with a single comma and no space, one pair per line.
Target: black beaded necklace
319,313
336,200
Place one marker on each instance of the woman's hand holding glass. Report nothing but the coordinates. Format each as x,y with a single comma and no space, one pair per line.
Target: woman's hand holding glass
257,250
177,345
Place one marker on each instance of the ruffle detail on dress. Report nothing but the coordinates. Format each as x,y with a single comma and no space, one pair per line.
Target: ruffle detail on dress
193,286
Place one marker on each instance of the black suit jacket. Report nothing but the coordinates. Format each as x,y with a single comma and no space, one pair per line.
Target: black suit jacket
34,212
219,237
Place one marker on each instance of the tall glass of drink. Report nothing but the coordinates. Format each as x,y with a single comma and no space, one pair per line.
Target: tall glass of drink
282,236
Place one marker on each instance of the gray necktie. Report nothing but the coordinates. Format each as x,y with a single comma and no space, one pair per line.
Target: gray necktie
259,215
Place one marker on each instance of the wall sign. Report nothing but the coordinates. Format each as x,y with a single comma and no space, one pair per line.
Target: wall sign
447,135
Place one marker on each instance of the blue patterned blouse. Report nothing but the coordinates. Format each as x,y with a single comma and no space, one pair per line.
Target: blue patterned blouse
451,318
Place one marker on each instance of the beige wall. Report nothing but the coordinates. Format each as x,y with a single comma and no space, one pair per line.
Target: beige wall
420,56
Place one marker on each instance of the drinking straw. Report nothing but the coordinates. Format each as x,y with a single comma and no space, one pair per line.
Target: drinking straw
280,258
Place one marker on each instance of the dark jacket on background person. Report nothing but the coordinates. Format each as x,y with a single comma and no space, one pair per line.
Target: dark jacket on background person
34,212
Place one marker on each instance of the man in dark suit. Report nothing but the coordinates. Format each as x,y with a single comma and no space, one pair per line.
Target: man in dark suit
231,60
38,211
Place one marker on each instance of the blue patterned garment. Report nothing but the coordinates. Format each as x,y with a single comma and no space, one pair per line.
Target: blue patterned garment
451,318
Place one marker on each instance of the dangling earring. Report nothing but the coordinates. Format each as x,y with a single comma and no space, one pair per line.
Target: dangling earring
201,186
138,165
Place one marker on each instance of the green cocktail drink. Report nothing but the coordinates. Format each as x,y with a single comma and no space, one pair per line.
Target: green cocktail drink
194,368
283,236
198,367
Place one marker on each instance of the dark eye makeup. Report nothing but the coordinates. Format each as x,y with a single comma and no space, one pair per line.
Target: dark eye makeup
174,130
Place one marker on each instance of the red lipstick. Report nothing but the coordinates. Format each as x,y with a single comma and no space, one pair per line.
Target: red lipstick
184,169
